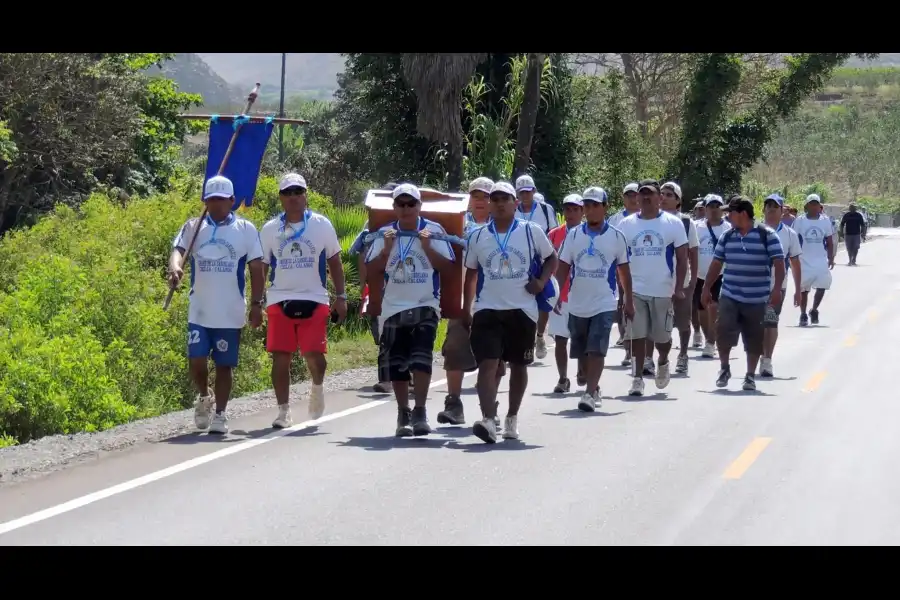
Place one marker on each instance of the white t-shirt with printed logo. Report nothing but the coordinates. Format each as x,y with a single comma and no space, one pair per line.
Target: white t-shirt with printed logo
651,246
790,241
707,244
218,264
540,213
502,281
813,233
615,219
298,257
593,276
413,283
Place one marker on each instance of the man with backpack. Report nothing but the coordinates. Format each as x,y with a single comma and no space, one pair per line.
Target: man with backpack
749,255
671,203
540,213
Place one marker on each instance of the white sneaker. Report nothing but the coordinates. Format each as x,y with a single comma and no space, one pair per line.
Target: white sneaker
202,411
511,428
219,423
709,351
681,365
698,339
316,401
486,431
284,419
589,402
637,387
662,376
540,347
765,367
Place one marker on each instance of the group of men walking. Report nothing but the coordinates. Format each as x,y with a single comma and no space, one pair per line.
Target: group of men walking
650,268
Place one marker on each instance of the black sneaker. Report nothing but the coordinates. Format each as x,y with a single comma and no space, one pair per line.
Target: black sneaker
382,387
453,412
420,424
749,383
563,386
404,419
724,376
814,316
804,320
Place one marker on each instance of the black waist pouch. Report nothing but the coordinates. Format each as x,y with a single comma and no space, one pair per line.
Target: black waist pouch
298,309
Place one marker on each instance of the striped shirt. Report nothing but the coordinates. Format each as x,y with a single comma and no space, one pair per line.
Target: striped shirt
748,264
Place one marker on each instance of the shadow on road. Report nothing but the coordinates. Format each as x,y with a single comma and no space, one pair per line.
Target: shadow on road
237,435
381,444
657,397
727,392
574,413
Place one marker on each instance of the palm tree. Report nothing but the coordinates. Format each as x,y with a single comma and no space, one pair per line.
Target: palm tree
438,81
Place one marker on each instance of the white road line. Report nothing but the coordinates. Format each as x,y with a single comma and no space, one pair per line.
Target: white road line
93,497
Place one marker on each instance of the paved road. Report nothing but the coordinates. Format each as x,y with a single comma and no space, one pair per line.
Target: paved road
808,459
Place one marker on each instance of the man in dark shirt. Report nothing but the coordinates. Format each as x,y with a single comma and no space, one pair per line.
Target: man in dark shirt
853,229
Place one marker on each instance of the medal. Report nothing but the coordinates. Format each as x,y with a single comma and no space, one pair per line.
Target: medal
503,265
400,271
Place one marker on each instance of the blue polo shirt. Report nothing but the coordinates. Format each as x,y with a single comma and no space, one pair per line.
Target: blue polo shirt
748,264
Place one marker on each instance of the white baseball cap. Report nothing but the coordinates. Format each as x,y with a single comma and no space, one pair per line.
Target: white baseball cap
672,186
711,198
631,187
525,184
813,198
503,187
597,194
575,199
291,180
407,189
218,187
482,184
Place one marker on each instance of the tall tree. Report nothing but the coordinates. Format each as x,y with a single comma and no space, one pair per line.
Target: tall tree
531,101
438,81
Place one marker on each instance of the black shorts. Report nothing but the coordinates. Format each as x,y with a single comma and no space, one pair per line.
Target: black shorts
407,344
698,292
741,320
507,335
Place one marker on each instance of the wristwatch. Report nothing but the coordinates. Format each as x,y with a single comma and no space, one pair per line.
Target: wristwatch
257,303
341,296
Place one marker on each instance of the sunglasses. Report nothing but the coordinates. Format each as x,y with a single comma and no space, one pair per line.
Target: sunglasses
501,198
406,203
294,191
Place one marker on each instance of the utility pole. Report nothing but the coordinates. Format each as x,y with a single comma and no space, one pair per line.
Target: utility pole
281,110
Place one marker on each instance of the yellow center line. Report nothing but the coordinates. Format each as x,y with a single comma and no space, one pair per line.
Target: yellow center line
851,341
814,382
746,459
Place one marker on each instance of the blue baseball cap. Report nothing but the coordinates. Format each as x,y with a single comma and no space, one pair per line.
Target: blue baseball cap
775,198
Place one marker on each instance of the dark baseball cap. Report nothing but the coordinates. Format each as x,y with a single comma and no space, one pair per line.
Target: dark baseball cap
649,183
740,204
774,198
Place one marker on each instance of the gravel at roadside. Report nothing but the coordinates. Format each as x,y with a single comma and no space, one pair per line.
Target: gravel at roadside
52,453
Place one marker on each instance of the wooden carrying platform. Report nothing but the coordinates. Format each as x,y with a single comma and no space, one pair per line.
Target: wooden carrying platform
449,211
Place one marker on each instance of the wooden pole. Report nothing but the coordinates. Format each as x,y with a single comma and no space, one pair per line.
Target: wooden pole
250,100
253,119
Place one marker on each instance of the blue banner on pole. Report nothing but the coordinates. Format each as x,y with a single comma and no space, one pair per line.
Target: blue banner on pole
246,158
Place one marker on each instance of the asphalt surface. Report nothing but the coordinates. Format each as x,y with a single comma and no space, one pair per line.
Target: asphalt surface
807,459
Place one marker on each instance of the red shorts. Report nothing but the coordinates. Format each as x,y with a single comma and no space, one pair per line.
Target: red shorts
291,335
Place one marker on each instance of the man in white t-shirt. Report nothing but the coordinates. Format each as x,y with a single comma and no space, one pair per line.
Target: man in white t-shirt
501,295
659,258
817,237
670,194
225,246
709,231
457,349
592,254
297,246
632,205
773,211
529,209
411,267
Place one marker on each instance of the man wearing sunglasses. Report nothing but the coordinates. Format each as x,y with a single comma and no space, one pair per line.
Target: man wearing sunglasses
411,267
297,244
225,246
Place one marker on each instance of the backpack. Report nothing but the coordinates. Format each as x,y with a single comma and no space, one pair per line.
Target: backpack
763,235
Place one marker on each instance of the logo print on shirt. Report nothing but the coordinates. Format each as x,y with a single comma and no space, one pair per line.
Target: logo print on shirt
513,267
291,254
407,272
215,256
647,243
592,267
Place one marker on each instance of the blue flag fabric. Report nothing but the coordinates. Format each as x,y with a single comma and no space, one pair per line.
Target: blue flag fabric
246,158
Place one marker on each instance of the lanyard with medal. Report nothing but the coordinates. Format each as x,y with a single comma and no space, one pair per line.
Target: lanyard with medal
531,214
502,245
297,232
400,271
591,235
